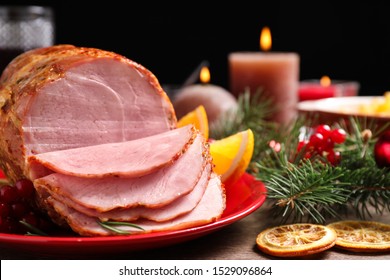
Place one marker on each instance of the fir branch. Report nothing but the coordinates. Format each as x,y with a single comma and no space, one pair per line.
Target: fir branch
314,189
252,112
310,189
369,185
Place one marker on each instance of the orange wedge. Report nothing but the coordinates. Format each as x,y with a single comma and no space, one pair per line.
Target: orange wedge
296,240
232,155
362,236
198,118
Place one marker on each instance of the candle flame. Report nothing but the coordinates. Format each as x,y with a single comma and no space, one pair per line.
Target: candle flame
265,39
325,81
204,74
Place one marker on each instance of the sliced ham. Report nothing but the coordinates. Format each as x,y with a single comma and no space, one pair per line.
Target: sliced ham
125,159
64,97
98,136
154,190
179,207
209,209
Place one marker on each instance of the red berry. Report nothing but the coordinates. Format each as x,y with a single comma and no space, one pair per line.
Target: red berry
327,145
324,129
4,224
18,209
8,194
15,207
9,225
25,188
301,144
307,155
333,157
338,135
316,140
4,210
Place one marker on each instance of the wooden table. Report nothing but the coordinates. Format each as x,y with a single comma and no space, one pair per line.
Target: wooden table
234,242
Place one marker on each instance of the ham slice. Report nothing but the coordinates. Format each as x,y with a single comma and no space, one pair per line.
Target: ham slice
180,206
125,159
209,209
154,190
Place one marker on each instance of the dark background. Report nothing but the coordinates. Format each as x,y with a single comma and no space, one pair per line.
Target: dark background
345,43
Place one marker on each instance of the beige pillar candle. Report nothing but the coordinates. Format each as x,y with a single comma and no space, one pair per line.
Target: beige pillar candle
276,74
216,100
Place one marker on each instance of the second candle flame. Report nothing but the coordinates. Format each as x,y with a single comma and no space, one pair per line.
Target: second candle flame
265,39
204,75
325,81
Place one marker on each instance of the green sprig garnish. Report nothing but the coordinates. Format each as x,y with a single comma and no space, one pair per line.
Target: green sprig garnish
112,226
34,231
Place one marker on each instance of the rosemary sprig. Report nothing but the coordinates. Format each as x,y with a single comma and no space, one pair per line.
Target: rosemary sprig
112,226
34,231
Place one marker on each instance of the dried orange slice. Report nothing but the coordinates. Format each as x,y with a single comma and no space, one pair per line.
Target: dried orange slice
198,118
232,155
295,240
362,236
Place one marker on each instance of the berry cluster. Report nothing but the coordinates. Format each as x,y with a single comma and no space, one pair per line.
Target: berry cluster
16,208
322,142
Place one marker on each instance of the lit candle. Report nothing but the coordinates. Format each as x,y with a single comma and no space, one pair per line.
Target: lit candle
325,87
275,74
216,100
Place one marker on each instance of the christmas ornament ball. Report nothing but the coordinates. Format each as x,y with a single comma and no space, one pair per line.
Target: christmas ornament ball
382,150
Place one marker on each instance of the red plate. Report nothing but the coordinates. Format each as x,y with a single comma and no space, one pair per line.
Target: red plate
243,198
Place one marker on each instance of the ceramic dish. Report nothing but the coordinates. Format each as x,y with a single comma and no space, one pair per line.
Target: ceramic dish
330,110
243,198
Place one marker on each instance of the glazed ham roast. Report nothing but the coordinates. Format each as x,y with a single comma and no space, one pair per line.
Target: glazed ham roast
65,97
98,137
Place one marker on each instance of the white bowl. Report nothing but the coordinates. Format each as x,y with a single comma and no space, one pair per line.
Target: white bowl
335,109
